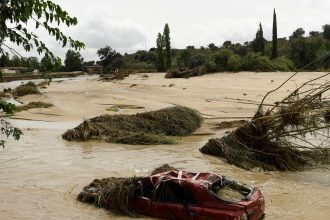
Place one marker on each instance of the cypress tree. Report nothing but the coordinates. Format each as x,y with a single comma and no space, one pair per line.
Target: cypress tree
160,53
261,40
274,50
167,41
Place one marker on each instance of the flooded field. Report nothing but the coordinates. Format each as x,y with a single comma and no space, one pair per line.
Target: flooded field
42,174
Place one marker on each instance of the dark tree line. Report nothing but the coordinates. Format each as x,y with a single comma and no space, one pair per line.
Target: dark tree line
260,54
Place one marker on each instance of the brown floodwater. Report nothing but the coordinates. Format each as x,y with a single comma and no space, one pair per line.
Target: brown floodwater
41,174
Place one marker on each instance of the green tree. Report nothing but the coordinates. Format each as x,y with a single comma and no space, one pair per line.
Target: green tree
221,59
234,63
305,50
107,56
33,63
227,44
160,53
326,34
167,44
212,47
274,48
15,15
259,42
4,60
184,56
297,34
73,61
48,64
196,60
16,61
326,31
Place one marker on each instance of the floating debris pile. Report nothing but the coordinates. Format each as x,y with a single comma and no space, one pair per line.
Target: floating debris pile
292,134
185,72
115,193
29,88
156,127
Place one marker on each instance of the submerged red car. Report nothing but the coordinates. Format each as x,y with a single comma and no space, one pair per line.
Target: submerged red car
197,196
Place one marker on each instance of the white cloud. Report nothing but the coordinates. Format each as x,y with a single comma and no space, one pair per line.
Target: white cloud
126,25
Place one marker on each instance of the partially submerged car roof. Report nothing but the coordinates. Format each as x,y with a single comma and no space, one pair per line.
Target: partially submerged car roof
204,179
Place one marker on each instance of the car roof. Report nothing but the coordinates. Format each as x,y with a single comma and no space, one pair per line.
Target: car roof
205,179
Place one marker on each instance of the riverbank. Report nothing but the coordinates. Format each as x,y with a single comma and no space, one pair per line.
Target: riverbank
33,76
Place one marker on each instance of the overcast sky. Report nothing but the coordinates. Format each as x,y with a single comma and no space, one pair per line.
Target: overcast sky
130,25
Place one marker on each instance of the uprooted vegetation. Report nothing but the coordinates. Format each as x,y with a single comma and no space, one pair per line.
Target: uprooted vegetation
156,127
292,134
33,105
117,108
116,191
26,89
115,75
185,72
230,124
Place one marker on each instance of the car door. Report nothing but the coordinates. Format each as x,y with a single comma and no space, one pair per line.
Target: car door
174,201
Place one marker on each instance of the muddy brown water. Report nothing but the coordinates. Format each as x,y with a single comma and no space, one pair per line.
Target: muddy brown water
42,174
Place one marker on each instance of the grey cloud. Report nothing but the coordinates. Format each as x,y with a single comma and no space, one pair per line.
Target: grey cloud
121,35
126,24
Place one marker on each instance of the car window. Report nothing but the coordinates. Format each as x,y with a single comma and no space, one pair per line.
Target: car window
172,192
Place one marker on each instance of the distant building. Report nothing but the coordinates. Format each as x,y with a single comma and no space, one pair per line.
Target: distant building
13,70
95,69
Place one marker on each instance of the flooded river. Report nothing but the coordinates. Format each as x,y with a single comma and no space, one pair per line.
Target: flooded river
42,174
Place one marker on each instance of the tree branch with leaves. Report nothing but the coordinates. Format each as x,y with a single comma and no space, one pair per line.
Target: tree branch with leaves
14,18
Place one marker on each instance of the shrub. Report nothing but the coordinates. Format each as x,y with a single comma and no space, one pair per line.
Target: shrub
210,65
257,62
26,89
196,60
234,63
283,64
221,59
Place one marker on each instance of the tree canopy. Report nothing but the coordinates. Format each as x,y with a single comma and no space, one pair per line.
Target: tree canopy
107,56
73,61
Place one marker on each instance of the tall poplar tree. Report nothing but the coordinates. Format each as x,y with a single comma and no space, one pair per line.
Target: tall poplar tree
160,53
274,49
167,42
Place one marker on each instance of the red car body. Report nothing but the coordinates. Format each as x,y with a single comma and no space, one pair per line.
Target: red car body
190,196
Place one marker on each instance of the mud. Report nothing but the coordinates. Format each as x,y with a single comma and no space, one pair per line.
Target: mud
41,175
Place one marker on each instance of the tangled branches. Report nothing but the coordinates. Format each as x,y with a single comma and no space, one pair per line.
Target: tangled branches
292,134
